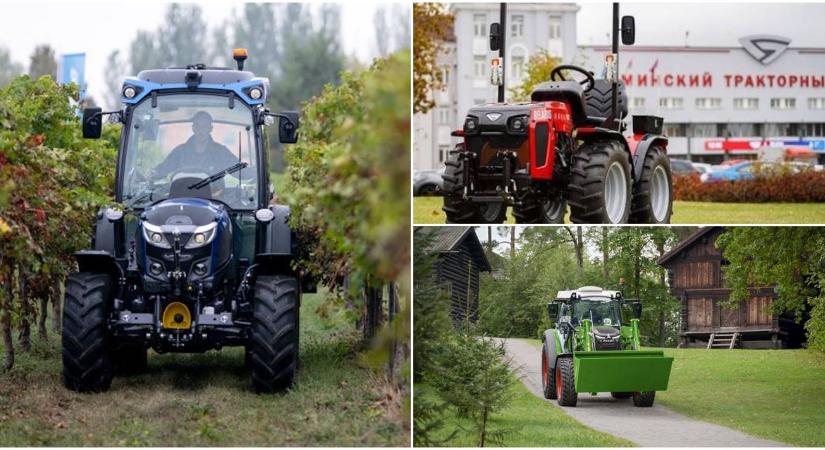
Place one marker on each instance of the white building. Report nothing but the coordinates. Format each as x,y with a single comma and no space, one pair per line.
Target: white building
734,100
466,62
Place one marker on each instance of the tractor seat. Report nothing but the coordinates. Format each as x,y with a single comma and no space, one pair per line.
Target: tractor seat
568,91
598,102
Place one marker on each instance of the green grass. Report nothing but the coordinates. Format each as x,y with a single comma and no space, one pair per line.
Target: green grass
428,210
527,421
206,400
773,394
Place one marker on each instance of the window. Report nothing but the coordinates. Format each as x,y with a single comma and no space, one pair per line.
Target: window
443,151
444,115
480,25
638,102
517,26
671,102
783,103
811,129
703,130
479,66
517,69
816,103
554,27
742,130
674,129
746,103
708,103
445,77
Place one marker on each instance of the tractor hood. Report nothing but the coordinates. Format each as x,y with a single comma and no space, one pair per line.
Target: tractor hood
184,213
606,338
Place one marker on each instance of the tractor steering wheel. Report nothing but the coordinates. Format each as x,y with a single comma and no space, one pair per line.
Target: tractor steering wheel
587,83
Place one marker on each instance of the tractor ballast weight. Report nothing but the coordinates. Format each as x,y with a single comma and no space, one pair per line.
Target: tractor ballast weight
567,146
195,256
593,348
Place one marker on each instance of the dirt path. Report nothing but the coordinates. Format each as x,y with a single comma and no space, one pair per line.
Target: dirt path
648,427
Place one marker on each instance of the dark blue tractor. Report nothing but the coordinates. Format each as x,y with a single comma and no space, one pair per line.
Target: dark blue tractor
195,256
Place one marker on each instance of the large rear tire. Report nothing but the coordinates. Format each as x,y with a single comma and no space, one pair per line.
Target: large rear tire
273,346
565,382
87,366
460,210
600,187
548,376
653,191
547,210
644,399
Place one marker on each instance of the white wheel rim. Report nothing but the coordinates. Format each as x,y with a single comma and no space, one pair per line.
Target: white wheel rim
615,193
659,194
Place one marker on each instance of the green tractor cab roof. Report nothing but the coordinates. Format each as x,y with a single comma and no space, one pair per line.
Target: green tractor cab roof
596,293
197,78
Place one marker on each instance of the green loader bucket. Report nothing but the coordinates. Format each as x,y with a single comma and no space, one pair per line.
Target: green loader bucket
621,371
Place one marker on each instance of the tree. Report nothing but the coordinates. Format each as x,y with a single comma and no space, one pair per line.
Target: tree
539,67
115,71
393,33
43,62
792,258
432,24
8,68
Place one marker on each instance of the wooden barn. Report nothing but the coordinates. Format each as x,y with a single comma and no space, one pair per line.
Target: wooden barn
460,258
695,277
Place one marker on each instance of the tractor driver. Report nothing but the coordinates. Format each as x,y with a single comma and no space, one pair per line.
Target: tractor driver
200,152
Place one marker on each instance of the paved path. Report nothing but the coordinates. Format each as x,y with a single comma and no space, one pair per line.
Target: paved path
648,427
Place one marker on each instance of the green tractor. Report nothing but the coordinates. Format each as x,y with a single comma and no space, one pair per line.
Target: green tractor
591,348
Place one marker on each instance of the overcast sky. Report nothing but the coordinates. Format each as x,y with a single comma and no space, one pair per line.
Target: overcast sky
97,28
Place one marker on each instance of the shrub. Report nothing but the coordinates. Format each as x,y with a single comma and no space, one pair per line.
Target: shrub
807,186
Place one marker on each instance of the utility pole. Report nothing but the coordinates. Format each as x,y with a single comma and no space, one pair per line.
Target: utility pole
503,21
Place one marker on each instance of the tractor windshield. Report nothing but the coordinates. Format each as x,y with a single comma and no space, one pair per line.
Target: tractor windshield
600,310
184,139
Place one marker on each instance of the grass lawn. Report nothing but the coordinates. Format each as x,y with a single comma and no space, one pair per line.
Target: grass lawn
773,394
428,210
527,422
206,400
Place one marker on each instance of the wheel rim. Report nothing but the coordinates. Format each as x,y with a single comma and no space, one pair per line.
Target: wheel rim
491,211
659,193
615,193
552,208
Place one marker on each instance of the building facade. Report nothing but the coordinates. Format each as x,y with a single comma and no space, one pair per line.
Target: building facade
722,102
466,64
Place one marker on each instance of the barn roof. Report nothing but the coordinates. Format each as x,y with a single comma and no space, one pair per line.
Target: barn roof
447,239
684,245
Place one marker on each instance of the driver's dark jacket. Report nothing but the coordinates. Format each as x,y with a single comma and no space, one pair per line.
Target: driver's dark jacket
216,157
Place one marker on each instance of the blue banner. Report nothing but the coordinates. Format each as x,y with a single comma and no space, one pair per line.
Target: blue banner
73,70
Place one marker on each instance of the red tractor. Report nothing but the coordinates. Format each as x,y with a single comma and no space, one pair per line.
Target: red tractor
567,146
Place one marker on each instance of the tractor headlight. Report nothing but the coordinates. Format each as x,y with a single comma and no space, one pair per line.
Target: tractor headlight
518,124
154,235
256,93
202,236
471,125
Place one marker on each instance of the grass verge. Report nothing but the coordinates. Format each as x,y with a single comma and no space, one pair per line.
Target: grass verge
205,399
772,394
526,422
428,210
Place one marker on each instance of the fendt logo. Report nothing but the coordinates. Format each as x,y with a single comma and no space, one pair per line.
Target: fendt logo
765,48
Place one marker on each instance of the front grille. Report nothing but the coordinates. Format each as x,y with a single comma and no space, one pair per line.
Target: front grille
541,144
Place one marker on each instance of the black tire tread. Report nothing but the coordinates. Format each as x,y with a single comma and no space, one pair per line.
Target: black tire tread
273,346
87,366
457,209
644,399
549,389
640,210
568,396
587,175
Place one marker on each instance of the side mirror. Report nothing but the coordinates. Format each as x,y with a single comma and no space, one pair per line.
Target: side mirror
637,309
288,127
553,311
92,123
628,30
495,36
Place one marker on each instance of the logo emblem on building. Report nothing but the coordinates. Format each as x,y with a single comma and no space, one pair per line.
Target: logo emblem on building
765,48
493,116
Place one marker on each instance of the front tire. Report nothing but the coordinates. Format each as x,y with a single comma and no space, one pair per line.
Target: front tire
565,382
548,377
87,366
460,210
273,346
550,209
600,188
644,399
653,192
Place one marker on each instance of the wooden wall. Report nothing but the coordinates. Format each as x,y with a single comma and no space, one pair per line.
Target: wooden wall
458,272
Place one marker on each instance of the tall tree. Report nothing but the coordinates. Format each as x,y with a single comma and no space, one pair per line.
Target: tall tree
8,68
115,71
432,24
43,62
539,67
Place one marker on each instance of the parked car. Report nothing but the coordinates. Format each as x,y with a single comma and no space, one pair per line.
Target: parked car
682,167
427,182
746,170
702,167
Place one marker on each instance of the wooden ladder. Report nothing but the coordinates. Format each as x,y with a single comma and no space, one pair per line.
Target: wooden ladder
723,340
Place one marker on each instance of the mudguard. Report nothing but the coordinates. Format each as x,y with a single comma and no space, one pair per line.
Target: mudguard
104,233
98,261
554,346
645,143
278,236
